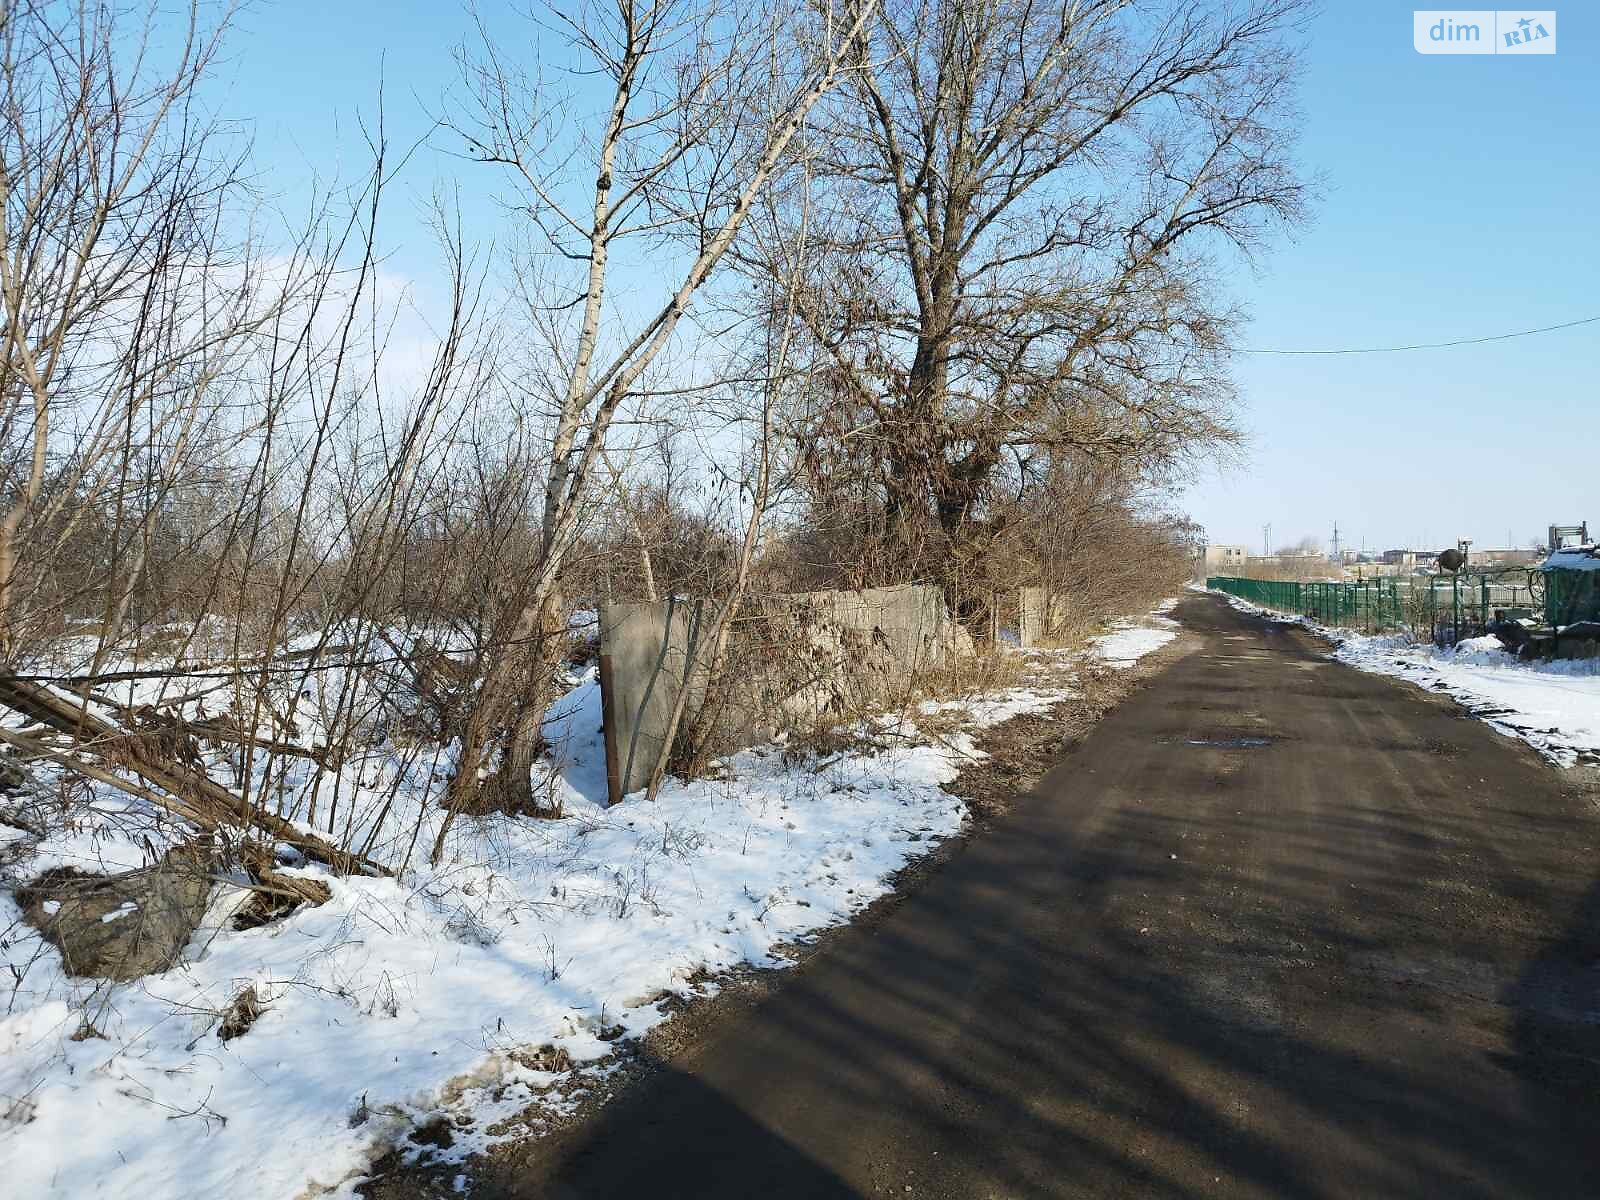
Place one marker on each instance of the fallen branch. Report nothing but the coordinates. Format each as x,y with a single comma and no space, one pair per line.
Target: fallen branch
276,894
226,668
183,791
146,719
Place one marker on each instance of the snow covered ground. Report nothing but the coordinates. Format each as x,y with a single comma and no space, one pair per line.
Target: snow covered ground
1131,639
465,990
1553,706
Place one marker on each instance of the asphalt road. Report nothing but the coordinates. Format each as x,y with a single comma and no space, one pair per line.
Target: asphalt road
1275,928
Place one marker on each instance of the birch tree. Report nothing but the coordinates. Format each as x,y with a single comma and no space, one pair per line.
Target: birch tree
701,104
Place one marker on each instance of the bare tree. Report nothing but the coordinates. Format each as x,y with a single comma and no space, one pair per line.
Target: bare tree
1026,204
125,311
703,103
173,396
776,335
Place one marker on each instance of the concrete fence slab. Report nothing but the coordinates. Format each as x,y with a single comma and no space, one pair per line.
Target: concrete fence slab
649,651
793,659
1041,616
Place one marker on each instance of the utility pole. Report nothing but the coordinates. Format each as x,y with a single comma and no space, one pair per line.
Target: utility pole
1336,555
1266,540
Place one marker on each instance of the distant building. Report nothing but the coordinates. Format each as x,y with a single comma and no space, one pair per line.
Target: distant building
1507,558
1400,558
1221,558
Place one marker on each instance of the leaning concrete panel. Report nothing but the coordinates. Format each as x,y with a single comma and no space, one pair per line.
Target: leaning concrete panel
646,652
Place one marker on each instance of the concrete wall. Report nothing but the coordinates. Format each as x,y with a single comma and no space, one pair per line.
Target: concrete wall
835,652
1219,555
792,660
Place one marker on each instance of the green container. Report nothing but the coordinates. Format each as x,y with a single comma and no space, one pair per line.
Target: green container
1570,595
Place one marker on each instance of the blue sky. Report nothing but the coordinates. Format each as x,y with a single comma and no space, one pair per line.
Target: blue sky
1462,199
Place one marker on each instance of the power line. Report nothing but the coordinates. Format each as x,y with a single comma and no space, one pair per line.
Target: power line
1496,337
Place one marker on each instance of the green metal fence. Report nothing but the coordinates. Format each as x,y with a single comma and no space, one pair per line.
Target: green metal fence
1370,605
1444,609
1454,607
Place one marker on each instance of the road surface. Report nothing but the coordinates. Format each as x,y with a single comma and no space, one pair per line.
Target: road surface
1275,928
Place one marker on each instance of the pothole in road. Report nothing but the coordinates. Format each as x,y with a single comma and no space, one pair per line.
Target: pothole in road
1222,741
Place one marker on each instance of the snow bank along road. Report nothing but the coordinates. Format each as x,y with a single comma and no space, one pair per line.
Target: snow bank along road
1276,928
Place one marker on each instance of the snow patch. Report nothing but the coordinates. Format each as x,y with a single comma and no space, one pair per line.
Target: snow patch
1573,558
1130,640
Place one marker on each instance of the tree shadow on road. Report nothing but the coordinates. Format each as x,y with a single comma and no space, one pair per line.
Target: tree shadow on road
699,1144
1557,1034
1281,981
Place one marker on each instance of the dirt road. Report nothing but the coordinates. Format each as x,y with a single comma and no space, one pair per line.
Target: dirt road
1275,928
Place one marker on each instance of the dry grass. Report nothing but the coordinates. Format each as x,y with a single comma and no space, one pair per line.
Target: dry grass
956,677
240,1015
1020,751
